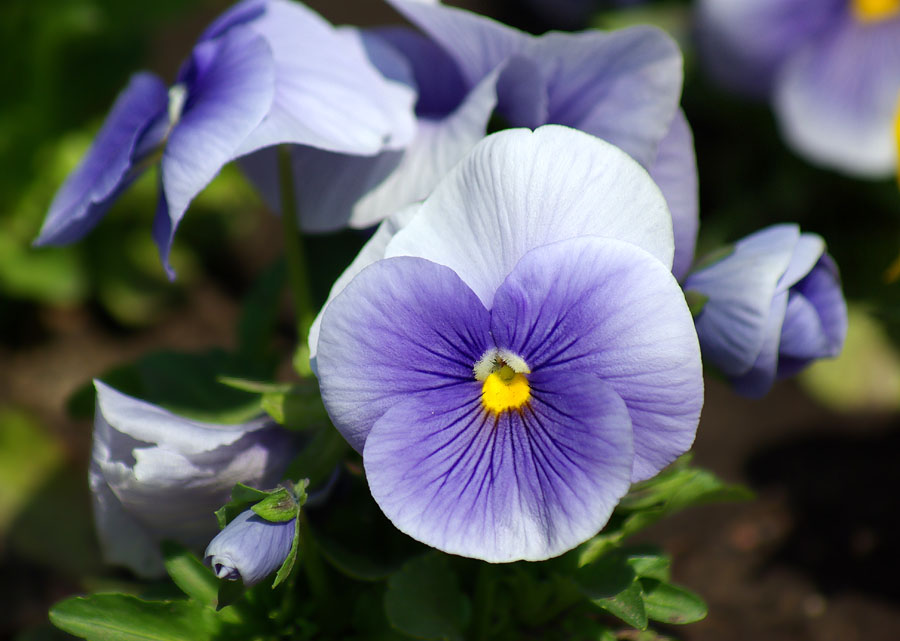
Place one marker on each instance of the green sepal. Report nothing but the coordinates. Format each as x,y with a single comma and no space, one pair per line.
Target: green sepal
277,507
242,497
696,301
285,570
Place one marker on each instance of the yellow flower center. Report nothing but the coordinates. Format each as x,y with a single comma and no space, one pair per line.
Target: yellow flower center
505,389
875,10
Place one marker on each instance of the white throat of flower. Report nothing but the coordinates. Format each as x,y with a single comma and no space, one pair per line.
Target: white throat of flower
177,98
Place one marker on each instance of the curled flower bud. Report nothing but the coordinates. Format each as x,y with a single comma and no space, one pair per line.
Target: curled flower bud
250,548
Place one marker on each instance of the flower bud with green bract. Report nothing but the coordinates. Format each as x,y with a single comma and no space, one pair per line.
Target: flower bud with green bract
250,548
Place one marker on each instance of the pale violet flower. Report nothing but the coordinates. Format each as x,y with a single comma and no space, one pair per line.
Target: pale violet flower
250,548
774,305
623,86
266,72
156,476
518,352
830,67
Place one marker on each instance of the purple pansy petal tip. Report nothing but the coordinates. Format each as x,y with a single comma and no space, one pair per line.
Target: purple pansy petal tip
250,82
250,548
522,355
773,306
155,475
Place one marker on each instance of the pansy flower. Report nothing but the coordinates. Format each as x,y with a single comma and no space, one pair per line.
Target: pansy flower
830,67
522,351
622,86
266,72
773,306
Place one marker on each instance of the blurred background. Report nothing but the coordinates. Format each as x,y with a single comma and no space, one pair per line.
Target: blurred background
811,559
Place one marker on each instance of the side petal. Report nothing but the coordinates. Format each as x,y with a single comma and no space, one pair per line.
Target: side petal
229,92
622,86
328,94
523,485
400,327
758,380
603,307
733,323
107,167
836,99
519,190
675,171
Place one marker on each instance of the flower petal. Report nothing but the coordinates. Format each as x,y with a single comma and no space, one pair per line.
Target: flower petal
622,86
520,189
733,323
105,170
836,99
675,171
400,326
606,308
505,487
250,548
230,86
758,380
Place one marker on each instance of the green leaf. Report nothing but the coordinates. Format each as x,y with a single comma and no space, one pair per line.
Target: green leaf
228,592
278,507
256,387
355,565
318,459
189,574
424,601
671,603
259,312
285,570
121,617
627,605
300,408
651,566
606,577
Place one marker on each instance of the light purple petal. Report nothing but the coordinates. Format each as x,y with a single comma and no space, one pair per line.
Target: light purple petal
837,98
228,95
477,44
520,189
400,327
250,548
328,94
622,86
606,307
675,171
757,381
745,42
807,252
802,334
733,324
505,487
522,93
107,167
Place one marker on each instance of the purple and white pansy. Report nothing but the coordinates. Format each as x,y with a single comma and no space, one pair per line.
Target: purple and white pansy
774,305
623,86
266,72
519,353
830,67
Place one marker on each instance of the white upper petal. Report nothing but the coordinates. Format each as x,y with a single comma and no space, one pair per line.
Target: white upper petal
519,190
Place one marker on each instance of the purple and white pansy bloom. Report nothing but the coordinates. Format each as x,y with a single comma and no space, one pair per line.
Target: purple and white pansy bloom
623,86
774,305
250,548
518,352
156,476
266,72
830,67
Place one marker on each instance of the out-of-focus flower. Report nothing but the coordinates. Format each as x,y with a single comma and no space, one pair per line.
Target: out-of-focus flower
622,86
266,72
155,475
521,354
774,306
250,548
831,68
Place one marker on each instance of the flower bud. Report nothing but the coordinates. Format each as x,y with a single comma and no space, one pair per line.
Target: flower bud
250,548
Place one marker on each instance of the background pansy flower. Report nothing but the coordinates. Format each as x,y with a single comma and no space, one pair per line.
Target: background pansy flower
266,72
156,475
622,86
521,354
250,548
774,306
830,67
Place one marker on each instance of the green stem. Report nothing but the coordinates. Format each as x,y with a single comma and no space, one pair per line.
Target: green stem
294,252
484,602
312,564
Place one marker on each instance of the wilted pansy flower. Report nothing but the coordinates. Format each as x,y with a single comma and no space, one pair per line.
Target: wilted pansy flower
250,548
622,86
774,305
266,72
831,68
155,475
522,354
